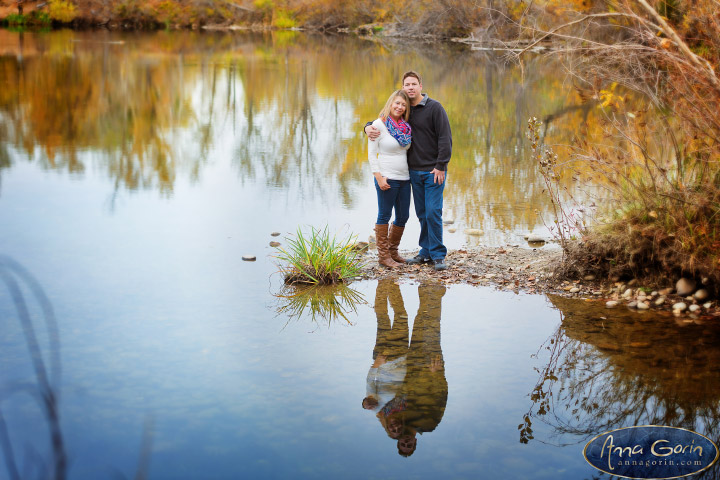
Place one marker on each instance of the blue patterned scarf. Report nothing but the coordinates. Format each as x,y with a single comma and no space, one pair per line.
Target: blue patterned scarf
400,131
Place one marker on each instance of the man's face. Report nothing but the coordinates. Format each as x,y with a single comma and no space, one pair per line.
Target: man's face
413,88
407,444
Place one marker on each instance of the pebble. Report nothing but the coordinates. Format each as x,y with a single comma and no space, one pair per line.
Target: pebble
274,244
694,308
627,293
707,305
611,303
680,306
574,290
452,229
632,304
535,238
701,294
473,231
249,258
660,301
641,298
643,306
685,286
449,221
361,246
589,278
275,234
666,291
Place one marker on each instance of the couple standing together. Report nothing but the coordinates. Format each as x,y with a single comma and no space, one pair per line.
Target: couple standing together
409,148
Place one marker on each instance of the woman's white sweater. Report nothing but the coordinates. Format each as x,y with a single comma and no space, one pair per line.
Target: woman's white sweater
386,155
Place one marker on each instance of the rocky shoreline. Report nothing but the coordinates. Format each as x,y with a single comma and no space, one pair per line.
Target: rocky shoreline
535,271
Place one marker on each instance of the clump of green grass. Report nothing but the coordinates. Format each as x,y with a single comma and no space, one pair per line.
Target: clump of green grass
319,258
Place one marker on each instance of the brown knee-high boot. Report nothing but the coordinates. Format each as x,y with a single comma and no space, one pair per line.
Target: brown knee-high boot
383,247
395,234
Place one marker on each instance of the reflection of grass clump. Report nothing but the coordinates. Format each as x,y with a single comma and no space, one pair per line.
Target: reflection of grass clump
319,259
321,301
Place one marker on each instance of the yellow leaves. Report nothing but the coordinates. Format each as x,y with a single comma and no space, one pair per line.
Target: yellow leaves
62,11
608,98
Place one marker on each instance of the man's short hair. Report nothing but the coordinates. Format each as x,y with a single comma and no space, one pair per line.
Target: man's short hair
412,73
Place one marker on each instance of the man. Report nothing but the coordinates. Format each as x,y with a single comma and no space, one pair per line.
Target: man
428,158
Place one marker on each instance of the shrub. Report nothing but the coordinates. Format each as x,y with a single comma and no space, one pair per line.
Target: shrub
16,19
62,11
40,18
319,259
283,19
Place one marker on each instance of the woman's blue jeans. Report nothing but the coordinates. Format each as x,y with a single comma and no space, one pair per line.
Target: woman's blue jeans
398,197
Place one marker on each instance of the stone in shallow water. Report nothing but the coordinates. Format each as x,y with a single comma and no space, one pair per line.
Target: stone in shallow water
701,294
275,234
660,301
680,307
473,231
574,290
535,238
274,244
611,303
249,258
452,230
685,286
694,308
642,306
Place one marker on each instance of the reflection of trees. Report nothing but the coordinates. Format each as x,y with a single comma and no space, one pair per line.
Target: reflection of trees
288,110
602,374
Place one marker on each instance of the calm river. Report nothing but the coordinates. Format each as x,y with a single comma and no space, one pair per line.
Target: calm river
137,169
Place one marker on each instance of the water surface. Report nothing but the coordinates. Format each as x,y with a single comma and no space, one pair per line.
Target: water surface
136,171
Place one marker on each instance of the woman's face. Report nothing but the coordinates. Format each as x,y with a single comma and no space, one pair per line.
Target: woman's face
398,107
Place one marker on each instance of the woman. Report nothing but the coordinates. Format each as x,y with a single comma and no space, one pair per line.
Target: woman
388,161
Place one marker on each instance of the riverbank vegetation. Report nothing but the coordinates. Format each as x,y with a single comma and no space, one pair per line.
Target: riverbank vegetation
489,20
661,182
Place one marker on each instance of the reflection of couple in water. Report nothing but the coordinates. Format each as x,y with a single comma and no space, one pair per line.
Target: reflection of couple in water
406,383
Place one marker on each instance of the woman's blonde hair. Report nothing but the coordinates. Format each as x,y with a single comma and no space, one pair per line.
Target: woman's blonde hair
385,112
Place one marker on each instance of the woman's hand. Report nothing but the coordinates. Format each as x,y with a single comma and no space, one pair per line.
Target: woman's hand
382,182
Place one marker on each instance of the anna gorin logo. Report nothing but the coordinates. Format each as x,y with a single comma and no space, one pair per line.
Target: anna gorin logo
651,451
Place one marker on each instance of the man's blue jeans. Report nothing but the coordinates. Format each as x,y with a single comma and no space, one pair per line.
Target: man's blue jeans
398,197
428,198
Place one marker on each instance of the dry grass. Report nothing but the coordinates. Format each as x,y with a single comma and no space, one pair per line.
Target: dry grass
661,177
